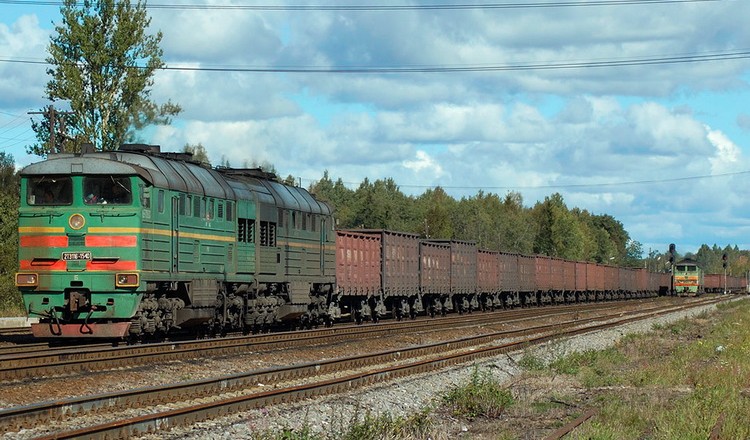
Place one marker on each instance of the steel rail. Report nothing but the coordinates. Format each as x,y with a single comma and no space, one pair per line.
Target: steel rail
23,331
716,430
565,430
26,416
16,349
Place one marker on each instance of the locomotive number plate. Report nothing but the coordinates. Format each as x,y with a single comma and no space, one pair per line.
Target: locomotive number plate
70,256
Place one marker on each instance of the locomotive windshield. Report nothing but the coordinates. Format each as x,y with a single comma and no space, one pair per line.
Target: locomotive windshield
107,190
49,191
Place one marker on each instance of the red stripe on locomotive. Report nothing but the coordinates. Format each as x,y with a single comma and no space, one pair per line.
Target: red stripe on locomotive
43,265
111,240
111,265
43,241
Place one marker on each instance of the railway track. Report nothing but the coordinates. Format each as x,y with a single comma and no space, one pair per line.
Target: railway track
41,361
13,331
228,394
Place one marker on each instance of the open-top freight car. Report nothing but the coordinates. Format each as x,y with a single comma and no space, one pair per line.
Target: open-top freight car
378,271
456,276
720,283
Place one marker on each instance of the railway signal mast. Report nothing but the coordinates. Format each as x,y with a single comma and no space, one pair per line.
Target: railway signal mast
671,268
724,264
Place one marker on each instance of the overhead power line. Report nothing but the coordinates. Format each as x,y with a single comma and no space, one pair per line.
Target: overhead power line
565,186
625,62
372,7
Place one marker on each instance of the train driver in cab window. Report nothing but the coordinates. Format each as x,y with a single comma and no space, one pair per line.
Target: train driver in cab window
120,194
49,191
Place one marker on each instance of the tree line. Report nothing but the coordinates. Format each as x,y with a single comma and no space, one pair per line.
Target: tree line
494,222
503,223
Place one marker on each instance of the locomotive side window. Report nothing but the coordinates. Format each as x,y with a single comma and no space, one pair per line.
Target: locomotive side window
183,201
160,201
196,207
49,191
107,190
230,213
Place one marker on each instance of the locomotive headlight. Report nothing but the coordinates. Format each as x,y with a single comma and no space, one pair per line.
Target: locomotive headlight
27,280
76,221
127,280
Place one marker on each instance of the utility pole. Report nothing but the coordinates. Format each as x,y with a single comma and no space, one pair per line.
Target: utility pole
51,115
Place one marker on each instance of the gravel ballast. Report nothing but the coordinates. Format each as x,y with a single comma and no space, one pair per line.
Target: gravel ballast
403,397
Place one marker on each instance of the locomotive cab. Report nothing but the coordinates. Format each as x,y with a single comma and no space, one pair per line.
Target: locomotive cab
78,268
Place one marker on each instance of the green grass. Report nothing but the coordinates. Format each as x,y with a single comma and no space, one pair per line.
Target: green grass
483,395
531,363
11,304
675,381
386,426
361,426
594,368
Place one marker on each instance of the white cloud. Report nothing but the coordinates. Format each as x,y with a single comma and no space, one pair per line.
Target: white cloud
424,164
727,155
22,85
219,37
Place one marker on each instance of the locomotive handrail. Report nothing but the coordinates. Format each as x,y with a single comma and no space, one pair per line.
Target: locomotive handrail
40,214
112,214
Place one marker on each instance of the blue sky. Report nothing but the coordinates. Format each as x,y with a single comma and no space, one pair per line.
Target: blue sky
660,146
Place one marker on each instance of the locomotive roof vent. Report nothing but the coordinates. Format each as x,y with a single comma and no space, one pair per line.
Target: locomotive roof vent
246,172
184,156
141,148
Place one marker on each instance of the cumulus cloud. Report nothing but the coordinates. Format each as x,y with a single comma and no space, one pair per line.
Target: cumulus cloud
22,85
424,164
611,140
727,155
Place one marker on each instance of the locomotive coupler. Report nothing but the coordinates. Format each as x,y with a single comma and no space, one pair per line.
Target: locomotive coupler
77,300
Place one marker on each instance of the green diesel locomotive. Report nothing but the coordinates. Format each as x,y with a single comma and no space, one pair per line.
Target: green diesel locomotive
687,278
138,242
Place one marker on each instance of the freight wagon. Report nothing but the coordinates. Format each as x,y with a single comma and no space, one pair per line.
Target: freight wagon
720,283
456,276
